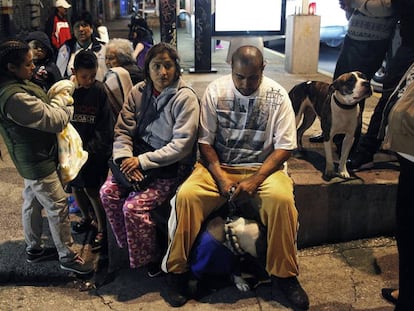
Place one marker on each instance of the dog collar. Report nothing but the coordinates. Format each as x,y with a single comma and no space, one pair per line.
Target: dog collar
340,105
233,241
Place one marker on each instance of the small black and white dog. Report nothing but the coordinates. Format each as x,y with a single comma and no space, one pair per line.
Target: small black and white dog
336,106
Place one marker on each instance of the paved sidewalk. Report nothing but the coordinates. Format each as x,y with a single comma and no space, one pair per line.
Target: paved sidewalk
337,277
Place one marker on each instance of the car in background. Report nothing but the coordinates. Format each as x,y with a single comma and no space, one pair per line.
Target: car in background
334,23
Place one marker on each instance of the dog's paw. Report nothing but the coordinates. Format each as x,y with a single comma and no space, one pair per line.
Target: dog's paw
329,174
344,175
240,283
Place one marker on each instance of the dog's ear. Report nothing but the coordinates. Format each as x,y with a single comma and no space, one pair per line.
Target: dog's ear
333,86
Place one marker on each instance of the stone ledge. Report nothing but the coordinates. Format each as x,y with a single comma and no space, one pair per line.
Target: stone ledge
343,210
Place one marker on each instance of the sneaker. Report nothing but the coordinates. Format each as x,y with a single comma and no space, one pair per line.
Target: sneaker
360,161
219,47
316,139
154,269
77,265
293,291
36,255
177,289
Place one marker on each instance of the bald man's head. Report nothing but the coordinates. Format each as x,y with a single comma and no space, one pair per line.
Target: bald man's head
247,55
247,69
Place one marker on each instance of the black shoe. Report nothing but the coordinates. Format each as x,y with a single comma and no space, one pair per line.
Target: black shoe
154,269
293,291
177,289
36,255
82,226
316,139
98,242
360,161
77,265
387,294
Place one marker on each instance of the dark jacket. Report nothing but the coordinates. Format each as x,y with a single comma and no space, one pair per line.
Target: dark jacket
46,73
34,152
405,11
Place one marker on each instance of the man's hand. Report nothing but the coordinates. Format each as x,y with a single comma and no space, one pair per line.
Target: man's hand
248,186
224,186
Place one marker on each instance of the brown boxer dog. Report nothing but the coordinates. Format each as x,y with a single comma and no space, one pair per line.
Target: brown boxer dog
336,106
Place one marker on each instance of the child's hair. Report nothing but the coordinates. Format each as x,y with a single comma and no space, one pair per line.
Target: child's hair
12,51
85,59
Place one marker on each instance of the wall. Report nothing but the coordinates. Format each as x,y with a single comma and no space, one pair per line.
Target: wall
26,15
29,15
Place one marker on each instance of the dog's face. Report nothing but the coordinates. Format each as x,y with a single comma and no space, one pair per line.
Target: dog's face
352,87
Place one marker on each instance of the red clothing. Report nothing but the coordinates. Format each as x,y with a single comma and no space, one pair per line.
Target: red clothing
60,32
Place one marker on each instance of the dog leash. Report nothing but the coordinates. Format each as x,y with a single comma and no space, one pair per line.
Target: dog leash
231,204
231,237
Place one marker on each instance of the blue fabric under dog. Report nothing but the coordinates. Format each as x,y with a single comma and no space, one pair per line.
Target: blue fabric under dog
209,256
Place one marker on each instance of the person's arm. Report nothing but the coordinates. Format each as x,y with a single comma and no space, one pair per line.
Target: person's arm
185,112
63,59
212,162
138,50
373,8
30,111
100,142
272,163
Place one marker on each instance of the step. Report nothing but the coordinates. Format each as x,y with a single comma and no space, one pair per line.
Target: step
343,210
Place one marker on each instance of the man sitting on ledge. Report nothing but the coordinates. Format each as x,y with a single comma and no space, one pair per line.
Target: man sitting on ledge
247,133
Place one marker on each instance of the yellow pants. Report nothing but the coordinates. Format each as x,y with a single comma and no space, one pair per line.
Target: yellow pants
198,197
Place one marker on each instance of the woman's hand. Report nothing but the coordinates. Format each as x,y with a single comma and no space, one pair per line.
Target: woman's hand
130,167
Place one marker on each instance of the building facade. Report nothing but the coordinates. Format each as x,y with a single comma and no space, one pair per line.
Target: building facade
19,17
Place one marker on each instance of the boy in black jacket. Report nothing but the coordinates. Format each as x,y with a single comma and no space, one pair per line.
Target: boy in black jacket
93,120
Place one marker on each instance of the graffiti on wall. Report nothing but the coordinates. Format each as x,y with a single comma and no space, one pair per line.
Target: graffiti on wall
28,16
168,21
202,41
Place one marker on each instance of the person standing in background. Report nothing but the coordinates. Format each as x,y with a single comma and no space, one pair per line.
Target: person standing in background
142,41
84,39
122,74
46,73
102,31
57,26
119,53
398,124
369,144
